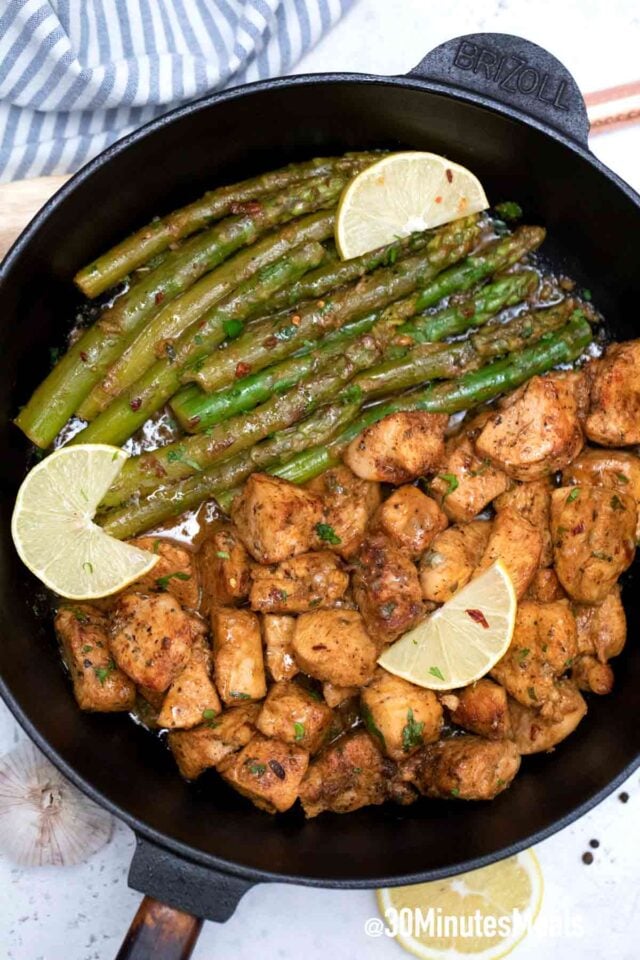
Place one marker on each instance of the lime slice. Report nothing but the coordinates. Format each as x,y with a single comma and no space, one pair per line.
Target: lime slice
463,639
53,529
482,902
402,193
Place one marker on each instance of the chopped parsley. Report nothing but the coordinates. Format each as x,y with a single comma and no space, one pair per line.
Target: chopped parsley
87,648
575,493
177,456
436,672
532,693
370,724
451,480
352,394
210,717
257,769
523,654
232,328
326,533
163,582
621,477
616,502
156,546
79,614
102,673
411,732
87,566
509,210
239,696
298,731
223,555
455,791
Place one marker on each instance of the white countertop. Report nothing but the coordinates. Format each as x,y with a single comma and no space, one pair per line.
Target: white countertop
82,913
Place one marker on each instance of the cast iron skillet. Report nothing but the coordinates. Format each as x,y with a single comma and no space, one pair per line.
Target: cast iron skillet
513,114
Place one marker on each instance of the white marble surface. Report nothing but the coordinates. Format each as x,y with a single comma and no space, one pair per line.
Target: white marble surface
81,913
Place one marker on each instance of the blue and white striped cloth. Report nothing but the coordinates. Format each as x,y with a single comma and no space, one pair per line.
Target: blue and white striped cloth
75,75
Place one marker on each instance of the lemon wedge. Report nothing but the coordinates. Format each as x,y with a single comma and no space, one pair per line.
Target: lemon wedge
400,194
53,529
478,901
463,639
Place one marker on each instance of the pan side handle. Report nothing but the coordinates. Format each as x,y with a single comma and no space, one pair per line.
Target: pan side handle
159,932
514,72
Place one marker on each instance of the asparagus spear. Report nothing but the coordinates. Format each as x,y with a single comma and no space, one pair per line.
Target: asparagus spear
171,321
93,353
197,411
129,411
162,232
470,389
145,514
282,340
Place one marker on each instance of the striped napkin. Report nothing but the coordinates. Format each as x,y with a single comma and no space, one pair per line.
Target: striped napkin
75,75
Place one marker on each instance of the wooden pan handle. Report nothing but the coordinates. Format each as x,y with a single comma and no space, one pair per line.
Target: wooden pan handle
159,932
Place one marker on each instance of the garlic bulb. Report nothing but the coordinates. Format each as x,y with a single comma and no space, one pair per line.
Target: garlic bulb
44,820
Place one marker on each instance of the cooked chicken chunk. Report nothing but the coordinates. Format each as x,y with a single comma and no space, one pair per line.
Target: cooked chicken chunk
466,483
617,469
614,417
202,747
334,646
466,767
543,647
349,774
589,674
303,583
534,733
291,714
268,772
536,430
237,655
386,589
593,533
275,519
348,503
401,715
450,562
545,587
398,448
175,572
533,502
518,544
335,695
277,632
97,682
224,567
480,708
151,638
192,697
602,630
410,519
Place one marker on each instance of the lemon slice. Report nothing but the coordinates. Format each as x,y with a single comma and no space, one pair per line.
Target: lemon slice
463,639
402,193
53,528
495,891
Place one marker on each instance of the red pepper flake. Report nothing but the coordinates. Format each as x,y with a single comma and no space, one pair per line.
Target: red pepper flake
438,199
83,356
249,206
159,297
296,320
243,369
270,343
136,403
449,175
478,617
194,421
579,528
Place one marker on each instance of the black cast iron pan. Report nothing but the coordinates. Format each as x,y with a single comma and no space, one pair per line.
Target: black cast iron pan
513,114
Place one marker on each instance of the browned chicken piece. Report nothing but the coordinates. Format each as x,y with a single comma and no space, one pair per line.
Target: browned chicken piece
534,733
268,772
386,589
617,469
545,587
202,747
276,519
480,708
348,503
466,483
237,655
335,695
307,582
410,519
292,714
614,416
151,638
98,684
543,647
334,646
224,566
401,715
466,767
277,633
450,562
535,430
399,448
533,502
192,697
602,630
518,544
349,774
594,542
589,674
175,572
